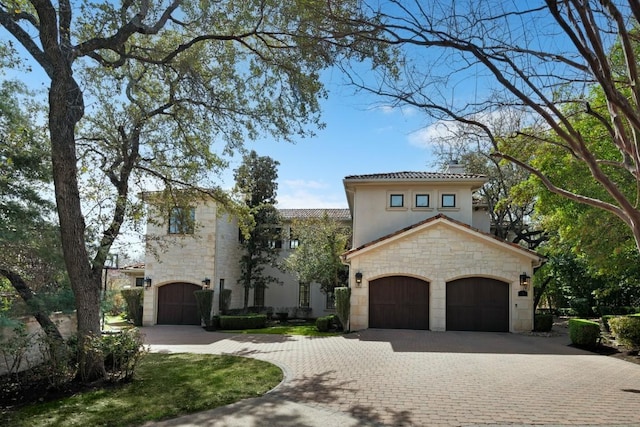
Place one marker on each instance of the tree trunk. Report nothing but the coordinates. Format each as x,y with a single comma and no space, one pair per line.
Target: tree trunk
27,295
65,110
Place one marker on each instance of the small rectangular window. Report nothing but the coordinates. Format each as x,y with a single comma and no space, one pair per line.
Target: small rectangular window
304,295
275,242
139,282
422,200
182,220
448,200
330,303
258,296
294,242
396,200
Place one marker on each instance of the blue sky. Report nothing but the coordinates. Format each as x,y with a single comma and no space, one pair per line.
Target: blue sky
362,136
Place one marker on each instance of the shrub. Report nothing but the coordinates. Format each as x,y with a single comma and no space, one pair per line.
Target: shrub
249,321
542,322
204,299
324,323
343,305
627,330
133,298
605,321
584,332
566,312
225,296
581,307
114,303
122,352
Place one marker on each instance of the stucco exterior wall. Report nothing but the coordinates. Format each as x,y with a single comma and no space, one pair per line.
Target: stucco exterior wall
438,254
373,218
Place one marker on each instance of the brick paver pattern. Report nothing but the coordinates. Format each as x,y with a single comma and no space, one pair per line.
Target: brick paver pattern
397,377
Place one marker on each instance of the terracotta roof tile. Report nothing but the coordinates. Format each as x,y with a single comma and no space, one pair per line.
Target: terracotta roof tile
338,214
405,176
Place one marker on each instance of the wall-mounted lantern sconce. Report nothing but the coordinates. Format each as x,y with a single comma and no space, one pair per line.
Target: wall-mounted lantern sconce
358,279
206,282
147,282
524,280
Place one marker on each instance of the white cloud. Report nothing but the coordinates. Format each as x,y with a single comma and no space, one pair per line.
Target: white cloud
302,194
301,184
407,110
426,137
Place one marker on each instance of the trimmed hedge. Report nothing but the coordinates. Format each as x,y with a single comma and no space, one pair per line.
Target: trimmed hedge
584,332
626,330
133,297
323,324
249,321
543,322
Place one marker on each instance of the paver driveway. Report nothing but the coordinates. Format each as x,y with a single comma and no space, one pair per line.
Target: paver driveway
399,377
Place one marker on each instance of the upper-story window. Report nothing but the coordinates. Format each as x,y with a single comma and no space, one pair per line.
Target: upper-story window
448,200
182,220
275,242
422,201
396,200
294,242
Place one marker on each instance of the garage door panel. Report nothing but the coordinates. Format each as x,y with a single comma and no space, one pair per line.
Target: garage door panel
399,302
478,304
177,304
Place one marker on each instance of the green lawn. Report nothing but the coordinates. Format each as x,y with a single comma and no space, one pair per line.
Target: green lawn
165,386
306,329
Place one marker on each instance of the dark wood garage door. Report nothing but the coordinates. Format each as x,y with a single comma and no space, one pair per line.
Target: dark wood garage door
177,304
399,302
478,304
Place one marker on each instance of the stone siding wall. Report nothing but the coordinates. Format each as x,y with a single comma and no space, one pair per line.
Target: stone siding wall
439,254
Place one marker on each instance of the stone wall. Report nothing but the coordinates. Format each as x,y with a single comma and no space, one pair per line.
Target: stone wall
438,254
67,325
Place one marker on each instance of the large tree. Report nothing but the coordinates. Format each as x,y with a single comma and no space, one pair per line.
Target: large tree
471,60
165,80
256,183
317,257
30,259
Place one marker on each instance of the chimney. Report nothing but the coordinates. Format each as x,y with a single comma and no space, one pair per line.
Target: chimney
454,167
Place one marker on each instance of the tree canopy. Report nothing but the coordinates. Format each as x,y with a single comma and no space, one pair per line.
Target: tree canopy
256,183
317,257
541,60
155,94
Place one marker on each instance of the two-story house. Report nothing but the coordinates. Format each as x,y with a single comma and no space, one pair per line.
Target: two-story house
185,256
422,258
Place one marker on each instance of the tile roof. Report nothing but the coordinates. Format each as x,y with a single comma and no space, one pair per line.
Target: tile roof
405,176
432,219
338,214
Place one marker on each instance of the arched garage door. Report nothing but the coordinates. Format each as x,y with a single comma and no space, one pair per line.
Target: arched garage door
399,302
478,304
177,304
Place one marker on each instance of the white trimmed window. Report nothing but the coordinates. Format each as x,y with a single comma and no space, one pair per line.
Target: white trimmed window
396,200
448,200
422,200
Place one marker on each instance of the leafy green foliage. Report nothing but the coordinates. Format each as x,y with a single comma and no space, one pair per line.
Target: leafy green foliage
249,321
324,323
626,330
204,299
542,322
122,352
197,382
256,183
317,257
133,298
343,306
584,332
